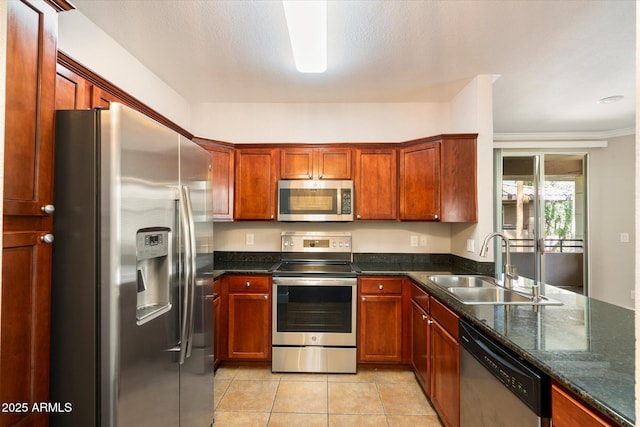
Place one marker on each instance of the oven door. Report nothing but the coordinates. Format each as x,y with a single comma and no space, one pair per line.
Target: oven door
314,311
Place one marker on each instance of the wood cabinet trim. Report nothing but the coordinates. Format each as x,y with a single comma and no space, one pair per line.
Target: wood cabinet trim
116,92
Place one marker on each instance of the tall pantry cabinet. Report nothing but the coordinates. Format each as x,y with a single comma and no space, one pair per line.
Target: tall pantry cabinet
27,211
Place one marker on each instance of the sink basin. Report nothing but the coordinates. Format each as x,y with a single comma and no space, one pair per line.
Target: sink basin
452,281
477,290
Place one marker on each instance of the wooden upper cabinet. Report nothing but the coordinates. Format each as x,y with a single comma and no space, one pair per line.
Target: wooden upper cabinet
438,179
376,183
222,161
72,91
315,163
256,178
458,179
419,189
30,86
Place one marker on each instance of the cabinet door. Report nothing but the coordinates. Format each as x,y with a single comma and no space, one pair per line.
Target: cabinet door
26,295
458,180
380,328
376,184
420,182
30,86
568,411
333,163
256,181
222,181
296,163
72,91
445,375
420,335
249,326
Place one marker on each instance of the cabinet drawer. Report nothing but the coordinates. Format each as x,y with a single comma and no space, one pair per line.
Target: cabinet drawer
381,285
249,283
420,297
445,317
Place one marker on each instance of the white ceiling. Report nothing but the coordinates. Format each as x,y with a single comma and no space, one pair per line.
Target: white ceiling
555,59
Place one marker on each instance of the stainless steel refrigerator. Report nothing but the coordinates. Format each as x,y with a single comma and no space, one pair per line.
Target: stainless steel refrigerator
132,290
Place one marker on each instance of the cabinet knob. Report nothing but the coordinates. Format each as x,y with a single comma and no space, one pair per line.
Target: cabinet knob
248,284
266,297
364,299
358,216
380,286
424,317
435,217
48,209
272,216
429,321
46,238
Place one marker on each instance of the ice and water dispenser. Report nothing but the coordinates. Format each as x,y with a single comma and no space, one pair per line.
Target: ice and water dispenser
152,273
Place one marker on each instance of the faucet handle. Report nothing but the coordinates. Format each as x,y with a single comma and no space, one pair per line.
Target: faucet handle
510,270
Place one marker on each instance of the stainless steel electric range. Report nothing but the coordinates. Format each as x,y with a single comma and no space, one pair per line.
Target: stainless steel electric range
314,304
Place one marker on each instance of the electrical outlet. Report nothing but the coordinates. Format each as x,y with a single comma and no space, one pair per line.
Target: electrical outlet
471,245
423,240
624,237
249,239
414,241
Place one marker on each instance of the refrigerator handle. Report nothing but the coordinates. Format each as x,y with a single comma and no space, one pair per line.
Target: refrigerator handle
184,324
192,279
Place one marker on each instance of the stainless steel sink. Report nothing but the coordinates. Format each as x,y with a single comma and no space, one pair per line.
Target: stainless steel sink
477,290
452,281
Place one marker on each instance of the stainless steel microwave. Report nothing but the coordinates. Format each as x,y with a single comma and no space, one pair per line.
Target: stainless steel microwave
315,200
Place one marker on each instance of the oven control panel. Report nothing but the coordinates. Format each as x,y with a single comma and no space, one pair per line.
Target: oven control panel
316,242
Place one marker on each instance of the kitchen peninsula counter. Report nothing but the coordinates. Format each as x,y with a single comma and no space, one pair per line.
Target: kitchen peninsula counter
586,345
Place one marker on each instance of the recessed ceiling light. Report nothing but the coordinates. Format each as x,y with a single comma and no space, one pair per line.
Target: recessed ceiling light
307,24
611,99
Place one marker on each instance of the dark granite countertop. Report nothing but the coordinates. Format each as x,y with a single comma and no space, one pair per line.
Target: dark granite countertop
585,344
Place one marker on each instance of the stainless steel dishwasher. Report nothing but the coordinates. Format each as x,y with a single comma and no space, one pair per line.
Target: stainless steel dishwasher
497,389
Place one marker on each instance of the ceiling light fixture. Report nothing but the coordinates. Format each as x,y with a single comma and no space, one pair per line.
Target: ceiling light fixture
611,99
307,24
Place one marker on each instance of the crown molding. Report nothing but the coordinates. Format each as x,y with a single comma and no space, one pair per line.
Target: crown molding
563,136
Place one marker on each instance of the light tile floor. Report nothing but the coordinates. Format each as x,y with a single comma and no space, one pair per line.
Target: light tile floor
254,396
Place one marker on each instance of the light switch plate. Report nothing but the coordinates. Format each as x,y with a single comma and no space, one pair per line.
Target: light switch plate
249,239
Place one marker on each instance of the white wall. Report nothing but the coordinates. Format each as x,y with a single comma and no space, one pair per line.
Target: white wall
472,112
316,122
611,176
367,237
82,40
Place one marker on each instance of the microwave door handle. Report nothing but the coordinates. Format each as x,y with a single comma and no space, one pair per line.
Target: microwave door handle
339,202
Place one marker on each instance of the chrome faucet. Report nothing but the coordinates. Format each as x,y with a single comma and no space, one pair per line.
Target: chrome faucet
510,272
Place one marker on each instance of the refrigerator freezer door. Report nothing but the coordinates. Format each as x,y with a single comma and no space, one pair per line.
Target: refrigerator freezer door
140,373
196,374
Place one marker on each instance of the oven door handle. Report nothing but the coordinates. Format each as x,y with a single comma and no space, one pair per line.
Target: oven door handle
314,281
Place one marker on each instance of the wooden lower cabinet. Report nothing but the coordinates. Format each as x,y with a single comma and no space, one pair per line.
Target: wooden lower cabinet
380,320
568,411
445,364
249,321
